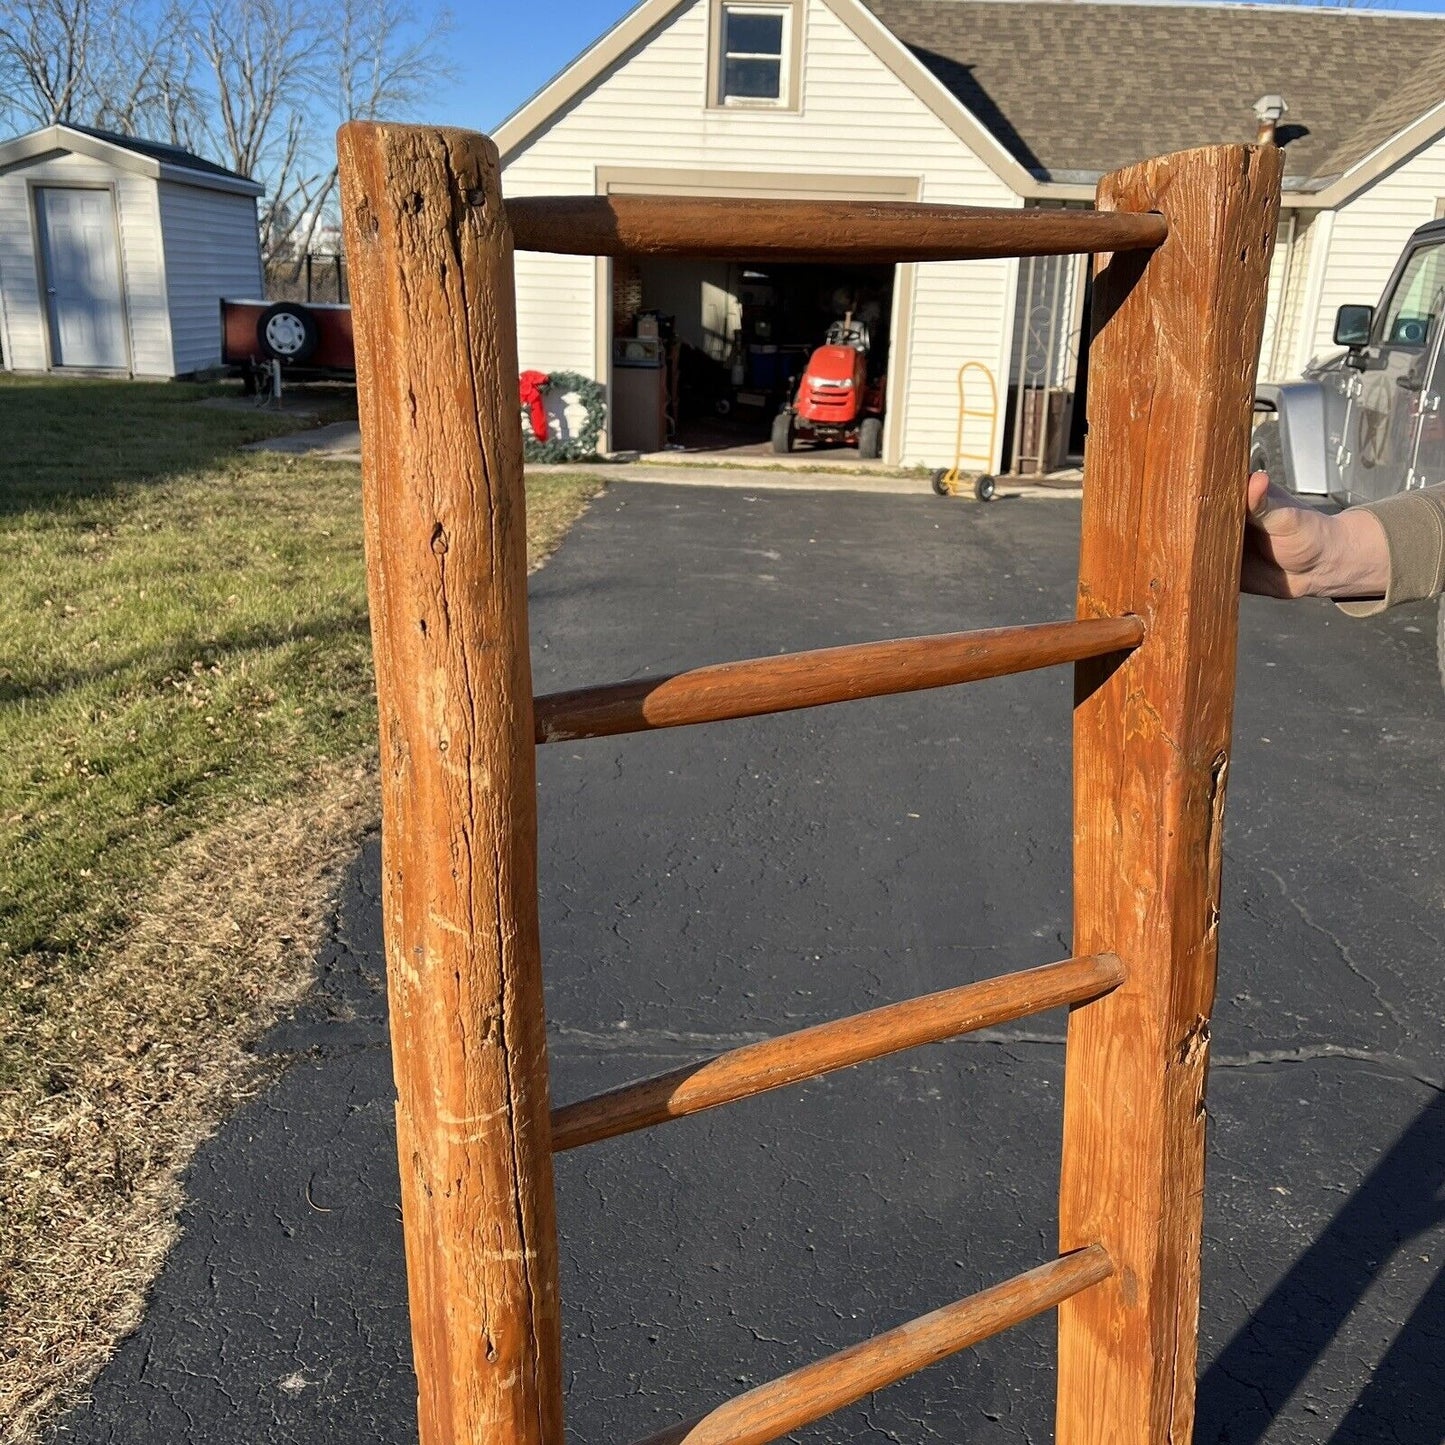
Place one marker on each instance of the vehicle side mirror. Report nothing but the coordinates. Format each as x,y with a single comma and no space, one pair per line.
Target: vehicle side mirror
1352,325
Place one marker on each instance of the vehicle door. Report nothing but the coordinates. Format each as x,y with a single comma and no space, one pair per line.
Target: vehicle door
1427,460
1385,432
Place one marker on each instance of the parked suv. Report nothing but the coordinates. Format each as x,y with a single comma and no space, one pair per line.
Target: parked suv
1366,422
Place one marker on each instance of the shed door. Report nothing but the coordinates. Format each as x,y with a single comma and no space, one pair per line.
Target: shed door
82,277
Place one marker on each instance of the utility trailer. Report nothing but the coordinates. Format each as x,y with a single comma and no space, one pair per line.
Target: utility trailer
306,339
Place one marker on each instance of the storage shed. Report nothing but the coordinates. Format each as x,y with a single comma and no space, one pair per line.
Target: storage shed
115,253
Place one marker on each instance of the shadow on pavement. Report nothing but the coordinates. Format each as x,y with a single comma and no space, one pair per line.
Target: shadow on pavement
1270,1357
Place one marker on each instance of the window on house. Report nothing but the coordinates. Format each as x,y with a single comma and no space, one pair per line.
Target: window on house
754,54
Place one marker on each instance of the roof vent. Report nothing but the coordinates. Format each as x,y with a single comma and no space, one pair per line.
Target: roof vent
1269,110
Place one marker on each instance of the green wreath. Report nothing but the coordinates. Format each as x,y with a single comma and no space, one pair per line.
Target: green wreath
593,397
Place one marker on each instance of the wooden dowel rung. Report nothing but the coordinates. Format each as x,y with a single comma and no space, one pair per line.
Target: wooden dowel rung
797,1399
830,674
729,228
808,1053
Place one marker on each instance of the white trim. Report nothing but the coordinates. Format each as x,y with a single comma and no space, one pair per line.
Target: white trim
60,139
1385,157
519,128
567,85
1321,231
783,11
934,94
1004,374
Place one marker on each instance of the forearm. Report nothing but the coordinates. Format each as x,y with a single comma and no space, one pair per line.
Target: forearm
1411,528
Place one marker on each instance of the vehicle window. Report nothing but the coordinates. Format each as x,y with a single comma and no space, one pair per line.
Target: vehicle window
1418,299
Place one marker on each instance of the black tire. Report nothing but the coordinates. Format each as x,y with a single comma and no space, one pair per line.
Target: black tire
870,439
940,482
985,489
287,332
1266,453
783,432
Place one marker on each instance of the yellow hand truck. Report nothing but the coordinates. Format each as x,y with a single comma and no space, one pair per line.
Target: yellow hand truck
948,481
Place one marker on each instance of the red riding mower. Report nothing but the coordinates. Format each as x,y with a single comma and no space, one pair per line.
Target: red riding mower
835,400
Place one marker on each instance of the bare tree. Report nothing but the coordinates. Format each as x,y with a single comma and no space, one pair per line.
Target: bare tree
149,85
105,63
260,85
48,59
380,60
286,72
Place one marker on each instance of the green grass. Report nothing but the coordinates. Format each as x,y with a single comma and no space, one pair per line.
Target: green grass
184,635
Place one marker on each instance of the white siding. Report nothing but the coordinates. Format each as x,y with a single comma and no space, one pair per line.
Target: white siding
211,251
1370,231
1274,301
650,112
1284,359
140,261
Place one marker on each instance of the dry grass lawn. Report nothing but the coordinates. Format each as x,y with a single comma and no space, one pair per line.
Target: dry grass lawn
186,735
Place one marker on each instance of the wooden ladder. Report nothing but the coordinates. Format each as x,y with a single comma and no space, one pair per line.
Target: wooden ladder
1183,246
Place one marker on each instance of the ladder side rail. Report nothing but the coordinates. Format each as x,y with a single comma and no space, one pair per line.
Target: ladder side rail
444,512
1177,336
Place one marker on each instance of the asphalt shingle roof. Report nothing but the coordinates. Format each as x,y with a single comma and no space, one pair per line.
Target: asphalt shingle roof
1076,89
159,151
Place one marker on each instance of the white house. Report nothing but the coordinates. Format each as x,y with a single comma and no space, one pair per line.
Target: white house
978,102
115,253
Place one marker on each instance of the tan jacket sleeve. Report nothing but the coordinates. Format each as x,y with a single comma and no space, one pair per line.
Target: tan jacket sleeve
1414,524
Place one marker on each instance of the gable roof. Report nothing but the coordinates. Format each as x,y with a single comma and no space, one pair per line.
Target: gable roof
1075,90
150,158
1052,94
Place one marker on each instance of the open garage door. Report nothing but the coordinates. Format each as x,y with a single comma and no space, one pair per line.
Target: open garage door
706,354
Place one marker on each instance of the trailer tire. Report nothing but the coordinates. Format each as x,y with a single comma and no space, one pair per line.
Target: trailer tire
985,488
783,433
940,482
870,439
287,332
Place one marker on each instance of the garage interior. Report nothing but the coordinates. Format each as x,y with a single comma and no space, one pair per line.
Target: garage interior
705,353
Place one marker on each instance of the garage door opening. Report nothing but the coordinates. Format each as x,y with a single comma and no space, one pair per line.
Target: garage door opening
706,353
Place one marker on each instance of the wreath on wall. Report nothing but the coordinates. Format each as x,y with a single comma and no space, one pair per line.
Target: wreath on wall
538,445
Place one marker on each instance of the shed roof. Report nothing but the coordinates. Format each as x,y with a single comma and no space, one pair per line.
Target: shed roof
1077,89
151,158
159,151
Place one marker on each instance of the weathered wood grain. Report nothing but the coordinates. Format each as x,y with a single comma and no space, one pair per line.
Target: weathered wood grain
721,229
829,674
1171,385
809,1053
431,277
808,1394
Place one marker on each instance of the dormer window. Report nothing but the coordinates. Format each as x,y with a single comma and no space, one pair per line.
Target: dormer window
754,59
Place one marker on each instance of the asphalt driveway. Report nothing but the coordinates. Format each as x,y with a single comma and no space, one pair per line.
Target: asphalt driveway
713,885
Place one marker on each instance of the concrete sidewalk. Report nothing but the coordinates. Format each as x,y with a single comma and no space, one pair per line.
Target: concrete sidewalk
341,442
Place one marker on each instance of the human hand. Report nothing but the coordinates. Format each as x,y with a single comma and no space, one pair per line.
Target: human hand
1292,550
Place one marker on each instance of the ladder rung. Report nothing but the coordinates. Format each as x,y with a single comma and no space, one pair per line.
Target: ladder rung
728,228
805,1395
807,1053
830,674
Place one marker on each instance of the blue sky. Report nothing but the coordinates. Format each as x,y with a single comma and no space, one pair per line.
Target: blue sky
506,51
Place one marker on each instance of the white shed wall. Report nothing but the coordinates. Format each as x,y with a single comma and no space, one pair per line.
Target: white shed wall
211,250
142,268
1369,233
651,112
